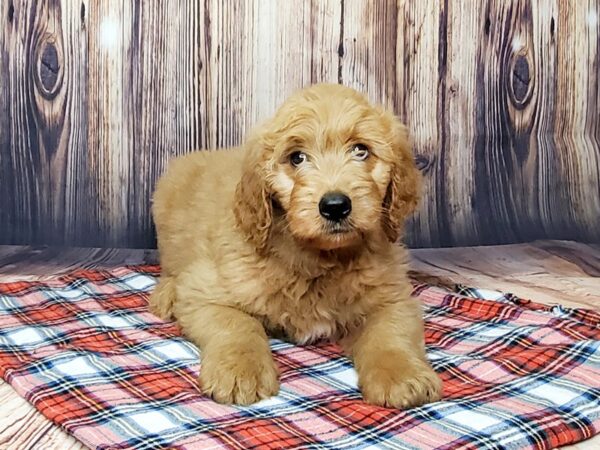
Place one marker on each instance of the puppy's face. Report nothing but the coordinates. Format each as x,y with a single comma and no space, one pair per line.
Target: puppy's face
339,168
331,171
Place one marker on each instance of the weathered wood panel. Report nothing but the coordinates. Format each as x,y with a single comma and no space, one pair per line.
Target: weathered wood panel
501,96
43,127
505,117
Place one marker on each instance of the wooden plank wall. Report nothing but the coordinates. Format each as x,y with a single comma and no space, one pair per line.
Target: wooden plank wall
501,96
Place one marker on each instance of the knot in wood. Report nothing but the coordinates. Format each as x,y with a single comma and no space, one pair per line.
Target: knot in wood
48,77
423,163
521,85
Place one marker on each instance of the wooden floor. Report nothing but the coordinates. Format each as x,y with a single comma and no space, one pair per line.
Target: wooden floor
550,272
545,271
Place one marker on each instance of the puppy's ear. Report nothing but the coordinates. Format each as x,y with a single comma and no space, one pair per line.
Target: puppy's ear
405,182
252,205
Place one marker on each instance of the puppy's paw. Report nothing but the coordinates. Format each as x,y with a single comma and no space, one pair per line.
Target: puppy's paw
239,377
162,298
396,382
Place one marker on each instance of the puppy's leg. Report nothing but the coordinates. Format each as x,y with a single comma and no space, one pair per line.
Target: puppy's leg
237,365
389,356
162,298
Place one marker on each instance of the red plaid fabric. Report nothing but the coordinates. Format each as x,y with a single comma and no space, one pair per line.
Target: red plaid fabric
85,351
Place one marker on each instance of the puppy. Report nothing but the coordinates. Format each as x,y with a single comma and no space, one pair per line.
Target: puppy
294,235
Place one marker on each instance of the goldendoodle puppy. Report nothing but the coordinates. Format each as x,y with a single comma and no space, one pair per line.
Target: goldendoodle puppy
294,235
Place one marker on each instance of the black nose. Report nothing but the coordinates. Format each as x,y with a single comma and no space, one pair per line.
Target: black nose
335,206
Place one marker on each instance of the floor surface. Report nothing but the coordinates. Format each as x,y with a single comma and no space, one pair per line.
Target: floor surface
549,272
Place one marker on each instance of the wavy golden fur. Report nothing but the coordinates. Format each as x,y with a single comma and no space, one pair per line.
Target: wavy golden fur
245,252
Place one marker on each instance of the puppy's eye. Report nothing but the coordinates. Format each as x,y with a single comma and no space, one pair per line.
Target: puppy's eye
360,152
298,158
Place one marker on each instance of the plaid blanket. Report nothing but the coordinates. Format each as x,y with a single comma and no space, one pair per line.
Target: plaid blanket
84,350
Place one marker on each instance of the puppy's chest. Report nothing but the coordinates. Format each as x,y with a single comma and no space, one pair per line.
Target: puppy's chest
314,309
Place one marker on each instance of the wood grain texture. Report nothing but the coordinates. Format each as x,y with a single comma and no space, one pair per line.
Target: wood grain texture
420,101
501,98
43,142
547,271
551,272
40,263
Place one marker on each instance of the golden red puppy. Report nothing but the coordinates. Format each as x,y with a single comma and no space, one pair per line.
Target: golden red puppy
294,234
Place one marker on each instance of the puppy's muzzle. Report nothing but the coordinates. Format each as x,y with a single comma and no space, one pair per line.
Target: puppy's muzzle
335,206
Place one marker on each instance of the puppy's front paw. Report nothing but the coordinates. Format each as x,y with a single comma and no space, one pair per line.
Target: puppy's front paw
393,381
162,298
239,377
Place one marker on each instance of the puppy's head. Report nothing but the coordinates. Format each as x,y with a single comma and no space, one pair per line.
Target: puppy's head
337,169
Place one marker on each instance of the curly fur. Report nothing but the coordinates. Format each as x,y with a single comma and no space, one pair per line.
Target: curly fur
245,253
